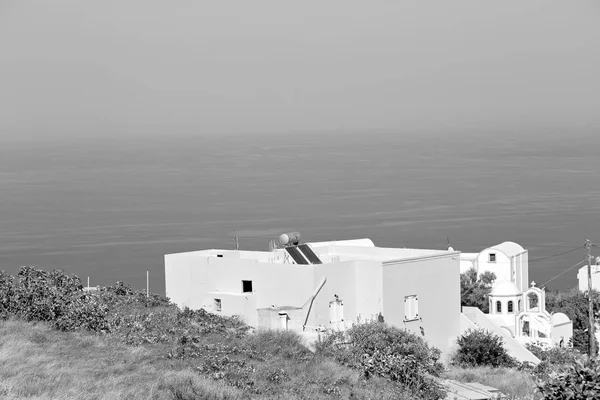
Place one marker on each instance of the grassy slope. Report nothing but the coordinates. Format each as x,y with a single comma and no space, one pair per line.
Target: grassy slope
38,362
41,363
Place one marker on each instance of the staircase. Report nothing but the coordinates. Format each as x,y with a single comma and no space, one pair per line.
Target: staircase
473,318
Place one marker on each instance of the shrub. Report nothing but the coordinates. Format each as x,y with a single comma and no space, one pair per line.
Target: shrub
7,295
478,347
40,295
553,359
377,349
581,380
84,312
123,296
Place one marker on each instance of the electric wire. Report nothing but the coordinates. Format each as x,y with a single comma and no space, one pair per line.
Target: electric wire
564,272
556,255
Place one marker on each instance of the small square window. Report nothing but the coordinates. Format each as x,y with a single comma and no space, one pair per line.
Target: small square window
218,305
411,308
246,286
492,257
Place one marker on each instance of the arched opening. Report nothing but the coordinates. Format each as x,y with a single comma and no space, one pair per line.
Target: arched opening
510,306
519,306
532,301
524,327
498,307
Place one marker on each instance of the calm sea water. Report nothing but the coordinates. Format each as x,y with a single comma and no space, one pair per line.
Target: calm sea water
111,208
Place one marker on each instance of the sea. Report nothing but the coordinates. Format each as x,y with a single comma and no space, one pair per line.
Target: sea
109,207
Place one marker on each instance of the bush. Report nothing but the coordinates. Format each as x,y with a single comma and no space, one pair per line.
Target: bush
122,296
84,312
581,380
478,347
377,349
38,295
7,295
553,359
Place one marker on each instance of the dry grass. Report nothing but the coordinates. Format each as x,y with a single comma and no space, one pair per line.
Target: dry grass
38,362
515,384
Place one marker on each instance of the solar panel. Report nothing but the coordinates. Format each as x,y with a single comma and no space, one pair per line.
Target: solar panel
296,255
309,254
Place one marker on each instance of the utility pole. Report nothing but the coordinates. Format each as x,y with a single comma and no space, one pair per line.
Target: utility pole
592,338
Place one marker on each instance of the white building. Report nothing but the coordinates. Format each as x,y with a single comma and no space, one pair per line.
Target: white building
525,317
508,260
324,285
582,276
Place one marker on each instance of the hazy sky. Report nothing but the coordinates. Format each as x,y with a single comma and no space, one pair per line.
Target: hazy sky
244,66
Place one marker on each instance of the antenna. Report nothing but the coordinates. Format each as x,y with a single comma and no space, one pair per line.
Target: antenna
450,248
236,240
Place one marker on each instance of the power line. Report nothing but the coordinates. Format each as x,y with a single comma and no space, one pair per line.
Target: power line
564,272
556,255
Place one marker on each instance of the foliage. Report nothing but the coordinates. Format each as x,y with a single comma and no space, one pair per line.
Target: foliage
575,305
122,295
474,290
553,358
133,315
554,354
377,349
37,295
84,312
7,295
581,380
478,347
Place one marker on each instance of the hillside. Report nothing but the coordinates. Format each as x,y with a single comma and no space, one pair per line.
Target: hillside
38,362
59,341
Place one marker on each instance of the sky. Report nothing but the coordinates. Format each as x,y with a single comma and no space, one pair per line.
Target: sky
152,66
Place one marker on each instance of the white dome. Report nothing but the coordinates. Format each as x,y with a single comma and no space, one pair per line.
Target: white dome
511,249
560,318
505,288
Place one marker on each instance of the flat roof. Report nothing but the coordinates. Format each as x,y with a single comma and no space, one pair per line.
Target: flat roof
329,252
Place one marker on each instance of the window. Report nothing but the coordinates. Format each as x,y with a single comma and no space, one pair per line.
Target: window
498,307
246,286
492,258
218,305
510,306
411,308
520,308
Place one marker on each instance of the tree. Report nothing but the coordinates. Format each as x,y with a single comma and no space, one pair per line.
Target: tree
575,305
478,347
474,290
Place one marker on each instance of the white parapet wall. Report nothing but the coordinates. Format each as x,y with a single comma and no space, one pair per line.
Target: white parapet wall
473,318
